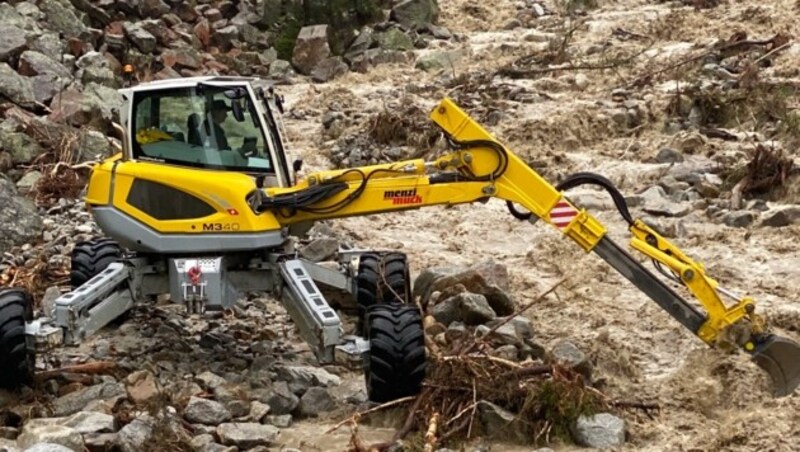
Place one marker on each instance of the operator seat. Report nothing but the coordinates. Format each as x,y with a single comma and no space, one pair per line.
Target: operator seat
193,130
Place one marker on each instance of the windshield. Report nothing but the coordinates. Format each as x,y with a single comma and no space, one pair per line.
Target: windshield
203,126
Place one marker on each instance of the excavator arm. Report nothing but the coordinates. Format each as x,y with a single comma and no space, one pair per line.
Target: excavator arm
481,168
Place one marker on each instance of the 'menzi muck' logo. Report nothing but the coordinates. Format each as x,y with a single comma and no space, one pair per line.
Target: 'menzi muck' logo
403,196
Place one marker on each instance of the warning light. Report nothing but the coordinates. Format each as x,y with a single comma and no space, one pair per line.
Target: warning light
128,69
233,212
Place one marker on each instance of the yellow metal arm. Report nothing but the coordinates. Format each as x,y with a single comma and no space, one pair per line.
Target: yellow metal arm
481,168
692,274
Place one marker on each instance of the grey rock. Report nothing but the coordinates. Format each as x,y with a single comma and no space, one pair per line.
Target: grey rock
45,87
508,352
439,60
363,42
320,249
739,219
131,437
22,148
601,431
781,216
19,220
656,202
203,411
33,63
300,378
100,75
153,8
482,279
669,155
199,442
394,39
28,181
210,380
328,69
280,421
238,408
224,37
14,42
456,331
247,435
414,14
85,422
75,401
446,311
93,107
280,399
53,434
568,354
93,145
140,37
504,334
49,44
16,88
311,48
523,327
428,276
316,401
474,309
500,423
258,411
280,69
374,57
62,17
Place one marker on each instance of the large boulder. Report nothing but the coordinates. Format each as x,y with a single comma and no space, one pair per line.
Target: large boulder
62,17
93,107
13,43
16,88
140,37
601,431
416,13
36,63
19,221
21,148
311,48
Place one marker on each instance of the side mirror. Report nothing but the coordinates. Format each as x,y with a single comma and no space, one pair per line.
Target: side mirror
297,165
238,111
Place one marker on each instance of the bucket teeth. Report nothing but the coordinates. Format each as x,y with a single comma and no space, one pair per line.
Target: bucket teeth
780,358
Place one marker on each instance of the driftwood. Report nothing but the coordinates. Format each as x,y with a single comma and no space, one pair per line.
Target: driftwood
94,368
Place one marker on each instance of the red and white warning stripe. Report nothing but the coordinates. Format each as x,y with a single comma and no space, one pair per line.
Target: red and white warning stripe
562,214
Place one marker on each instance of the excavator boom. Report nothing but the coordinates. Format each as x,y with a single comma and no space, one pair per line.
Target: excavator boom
480,168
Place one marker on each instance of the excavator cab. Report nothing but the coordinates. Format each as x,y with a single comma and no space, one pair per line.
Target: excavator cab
221,124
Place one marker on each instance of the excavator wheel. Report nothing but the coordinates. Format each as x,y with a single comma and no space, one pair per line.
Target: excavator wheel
16,362
92,257
396,364
382,278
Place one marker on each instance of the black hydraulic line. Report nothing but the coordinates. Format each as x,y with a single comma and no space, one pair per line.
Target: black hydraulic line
663,295
579,179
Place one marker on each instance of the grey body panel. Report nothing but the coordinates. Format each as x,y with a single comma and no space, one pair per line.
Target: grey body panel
136,236
648,283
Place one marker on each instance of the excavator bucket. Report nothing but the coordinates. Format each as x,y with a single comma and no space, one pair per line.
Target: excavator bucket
780,357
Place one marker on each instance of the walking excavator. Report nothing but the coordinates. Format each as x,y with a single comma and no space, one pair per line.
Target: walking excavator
202,204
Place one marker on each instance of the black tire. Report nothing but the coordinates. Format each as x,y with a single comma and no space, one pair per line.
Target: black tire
375,273
16,362
90,258
396,364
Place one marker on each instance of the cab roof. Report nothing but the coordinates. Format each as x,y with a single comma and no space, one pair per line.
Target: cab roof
187,82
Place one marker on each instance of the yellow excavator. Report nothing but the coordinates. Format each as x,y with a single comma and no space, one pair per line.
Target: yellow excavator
203,204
